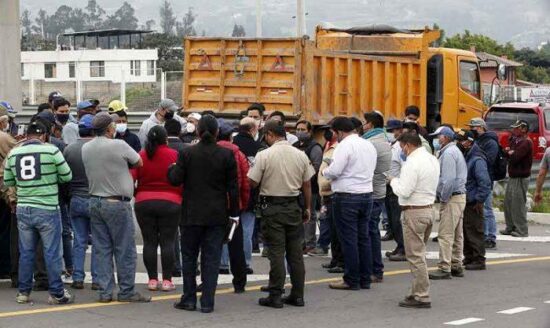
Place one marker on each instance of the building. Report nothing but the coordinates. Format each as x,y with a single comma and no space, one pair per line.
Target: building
92,64
488,67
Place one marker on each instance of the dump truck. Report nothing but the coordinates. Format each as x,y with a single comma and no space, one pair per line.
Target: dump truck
341,72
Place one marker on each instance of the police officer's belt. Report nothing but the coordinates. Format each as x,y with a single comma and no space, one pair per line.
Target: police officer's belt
278,200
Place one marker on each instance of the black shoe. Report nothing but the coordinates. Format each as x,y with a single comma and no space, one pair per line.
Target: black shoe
239,290
506,232
14,284
518,235
265,289
294,301
207,310
476,266
77,285
176,274
95,286
224,271
329,265
457,273
185,306
435,239
106,299
439,275
376,280
410,302
136,298
365,286
336,269
343,286
387,237
249,271
398,257
199,288
272,301
40,287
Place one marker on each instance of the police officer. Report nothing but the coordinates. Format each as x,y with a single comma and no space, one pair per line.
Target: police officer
281,171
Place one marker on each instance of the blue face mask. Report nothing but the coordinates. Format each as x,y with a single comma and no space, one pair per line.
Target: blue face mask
437,145
403,156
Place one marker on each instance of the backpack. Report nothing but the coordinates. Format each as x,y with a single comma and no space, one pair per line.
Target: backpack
500,167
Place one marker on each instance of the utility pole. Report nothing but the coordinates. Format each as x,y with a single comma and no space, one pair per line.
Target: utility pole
10,54
258,18
301,18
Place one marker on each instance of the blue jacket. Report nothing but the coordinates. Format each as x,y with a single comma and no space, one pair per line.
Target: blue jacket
488,142
479,184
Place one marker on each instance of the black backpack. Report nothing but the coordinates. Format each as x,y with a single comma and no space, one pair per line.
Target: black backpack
500,167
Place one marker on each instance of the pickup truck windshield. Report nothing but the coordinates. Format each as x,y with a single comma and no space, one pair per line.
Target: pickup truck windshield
501,118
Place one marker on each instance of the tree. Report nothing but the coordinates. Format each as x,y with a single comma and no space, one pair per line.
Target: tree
94,15
185,27
481,42
238,31
167,18
149,25
123,18
441,40
170,50
26,23
42,24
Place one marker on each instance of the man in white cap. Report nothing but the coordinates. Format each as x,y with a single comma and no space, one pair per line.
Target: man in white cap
166,110
190,132
451,193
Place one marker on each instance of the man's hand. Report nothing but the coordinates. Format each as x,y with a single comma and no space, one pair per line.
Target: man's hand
478,208
538,197
306,215
234,219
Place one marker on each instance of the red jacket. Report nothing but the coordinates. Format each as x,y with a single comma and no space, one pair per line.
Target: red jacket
242,172
152,177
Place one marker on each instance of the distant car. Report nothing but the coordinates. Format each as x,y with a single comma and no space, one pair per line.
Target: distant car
500,116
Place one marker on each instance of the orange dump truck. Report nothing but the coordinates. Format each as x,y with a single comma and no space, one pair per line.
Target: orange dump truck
340,72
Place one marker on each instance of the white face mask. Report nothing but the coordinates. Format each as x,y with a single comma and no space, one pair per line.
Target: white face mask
121,127
190,127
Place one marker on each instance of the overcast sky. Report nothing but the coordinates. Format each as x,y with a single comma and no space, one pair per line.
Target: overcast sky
523,22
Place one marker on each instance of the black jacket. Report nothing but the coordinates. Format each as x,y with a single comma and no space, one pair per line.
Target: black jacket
131,139
488,142
177,144
208,173
249,147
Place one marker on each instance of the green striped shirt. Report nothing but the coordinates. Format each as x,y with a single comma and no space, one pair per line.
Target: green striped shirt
36,169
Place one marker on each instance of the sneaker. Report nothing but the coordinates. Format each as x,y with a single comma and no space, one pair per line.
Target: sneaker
23,298
153,285
457,272
476,266
439,275
167,286
505,232
518,235
136,298
306,250
77,285
411,302
264,252
66,298
398,257
249,270
95,286
489,244
318,252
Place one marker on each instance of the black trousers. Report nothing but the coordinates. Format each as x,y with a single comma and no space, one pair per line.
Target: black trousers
394,218
159,221
474,236
40,274
5,223
335,247
209,241
237,261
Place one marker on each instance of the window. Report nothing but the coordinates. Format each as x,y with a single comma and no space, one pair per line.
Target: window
150,67
135,67
502,118
71,70
97,69
50,70
547,118
469,78
22,69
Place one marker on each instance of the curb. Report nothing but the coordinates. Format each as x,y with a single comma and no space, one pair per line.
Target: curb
533,218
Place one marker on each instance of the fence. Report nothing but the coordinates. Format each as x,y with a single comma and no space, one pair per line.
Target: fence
141,89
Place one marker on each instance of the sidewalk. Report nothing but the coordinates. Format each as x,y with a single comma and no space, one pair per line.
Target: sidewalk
533,218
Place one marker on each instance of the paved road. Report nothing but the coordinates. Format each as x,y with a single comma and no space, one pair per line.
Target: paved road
511,293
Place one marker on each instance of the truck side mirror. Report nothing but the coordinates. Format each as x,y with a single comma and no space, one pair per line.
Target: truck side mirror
501,72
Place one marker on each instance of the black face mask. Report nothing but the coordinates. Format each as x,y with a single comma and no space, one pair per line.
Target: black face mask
169,115
475,133
62,118
328,135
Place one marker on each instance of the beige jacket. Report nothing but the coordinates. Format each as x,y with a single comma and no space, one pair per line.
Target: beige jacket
324,183
7,143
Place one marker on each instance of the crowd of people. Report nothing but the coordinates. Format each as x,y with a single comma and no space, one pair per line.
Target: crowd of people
201,185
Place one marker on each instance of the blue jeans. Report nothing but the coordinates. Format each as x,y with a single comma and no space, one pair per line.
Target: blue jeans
113,236
80,216
67,235
248,220
324,232
352,214
376,243
34,222
224,262
490,224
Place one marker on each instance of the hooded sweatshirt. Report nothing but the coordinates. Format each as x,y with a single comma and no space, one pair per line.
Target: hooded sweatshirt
152,121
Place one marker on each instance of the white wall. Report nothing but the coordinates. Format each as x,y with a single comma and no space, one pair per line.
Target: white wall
117,64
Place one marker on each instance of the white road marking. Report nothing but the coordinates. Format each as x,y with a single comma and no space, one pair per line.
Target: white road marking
530,239
463,321
547,302
516,310
142,278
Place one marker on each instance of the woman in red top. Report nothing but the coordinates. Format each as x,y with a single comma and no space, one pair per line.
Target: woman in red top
158,207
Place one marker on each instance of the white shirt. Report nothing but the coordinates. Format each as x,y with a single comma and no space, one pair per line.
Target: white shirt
417,184
352,167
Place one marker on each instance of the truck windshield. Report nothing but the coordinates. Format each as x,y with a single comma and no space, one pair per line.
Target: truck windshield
469,78
501,118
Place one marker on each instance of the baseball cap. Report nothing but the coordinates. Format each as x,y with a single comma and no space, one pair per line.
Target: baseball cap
477,122
519,124
101,121
47,116
464,135
53,95
394,124
86,121
168,104
195,116
84,104
116,106
225,127
36,128
3,110
11,111
444,131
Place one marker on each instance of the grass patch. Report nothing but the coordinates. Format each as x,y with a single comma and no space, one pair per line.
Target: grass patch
542,207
